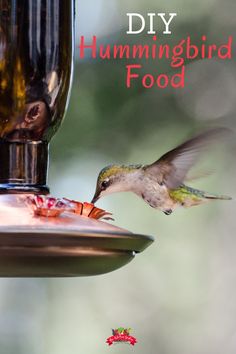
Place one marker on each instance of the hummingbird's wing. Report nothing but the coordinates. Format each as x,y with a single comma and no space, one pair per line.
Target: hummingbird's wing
198,175
172,168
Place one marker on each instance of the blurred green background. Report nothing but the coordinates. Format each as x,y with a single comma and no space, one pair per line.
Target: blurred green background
179,295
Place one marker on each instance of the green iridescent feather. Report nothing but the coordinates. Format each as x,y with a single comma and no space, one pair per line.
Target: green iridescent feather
183,192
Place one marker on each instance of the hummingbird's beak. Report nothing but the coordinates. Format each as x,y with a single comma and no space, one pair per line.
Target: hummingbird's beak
95,198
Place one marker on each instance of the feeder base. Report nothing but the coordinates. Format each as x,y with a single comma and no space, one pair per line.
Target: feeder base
63,246
38,254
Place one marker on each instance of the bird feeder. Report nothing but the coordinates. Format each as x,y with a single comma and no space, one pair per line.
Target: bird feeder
36,65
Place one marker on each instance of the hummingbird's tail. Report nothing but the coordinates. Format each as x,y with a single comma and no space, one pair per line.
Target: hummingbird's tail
206,195
188,196
214,196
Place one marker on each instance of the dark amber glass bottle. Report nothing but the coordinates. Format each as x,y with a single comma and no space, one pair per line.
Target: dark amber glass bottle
36,53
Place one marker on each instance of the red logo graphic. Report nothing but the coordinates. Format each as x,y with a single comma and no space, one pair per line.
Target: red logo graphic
121,335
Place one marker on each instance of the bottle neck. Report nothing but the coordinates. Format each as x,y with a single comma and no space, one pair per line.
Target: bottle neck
23,167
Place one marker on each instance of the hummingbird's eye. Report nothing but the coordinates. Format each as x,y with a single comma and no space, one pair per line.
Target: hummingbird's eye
105,184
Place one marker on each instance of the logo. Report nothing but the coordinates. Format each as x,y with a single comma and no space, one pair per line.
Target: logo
121,335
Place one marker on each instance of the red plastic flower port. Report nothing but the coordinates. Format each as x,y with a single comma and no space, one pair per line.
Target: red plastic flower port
52,207
88,209
46,206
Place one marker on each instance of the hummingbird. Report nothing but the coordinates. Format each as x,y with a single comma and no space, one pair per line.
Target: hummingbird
161,183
